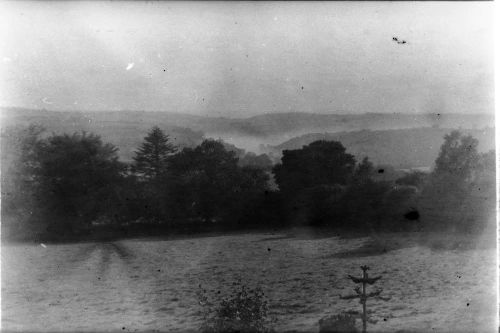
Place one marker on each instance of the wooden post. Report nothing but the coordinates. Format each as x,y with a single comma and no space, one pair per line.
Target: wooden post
361,294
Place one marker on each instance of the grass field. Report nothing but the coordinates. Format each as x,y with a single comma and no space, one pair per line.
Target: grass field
436,283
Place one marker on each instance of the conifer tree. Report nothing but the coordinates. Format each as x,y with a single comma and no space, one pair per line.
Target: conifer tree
150,159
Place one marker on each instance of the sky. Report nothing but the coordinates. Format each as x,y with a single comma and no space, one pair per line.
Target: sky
240,59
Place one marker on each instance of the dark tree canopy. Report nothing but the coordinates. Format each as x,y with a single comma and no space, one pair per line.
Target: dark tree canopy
75,179
19,146
458,158
261,161
208,181
203,178
414,178
319,163
447,199
68,186
151,159
364,170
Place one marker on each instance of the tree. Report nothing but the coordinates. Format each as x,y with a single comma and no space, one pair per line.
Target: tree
323,204
457,160
319,163
398,208
150,166
362,206
311,179
204,178
444,198
208,183
151,159
414,178
261,161
19,146
76,178
364,171
480,204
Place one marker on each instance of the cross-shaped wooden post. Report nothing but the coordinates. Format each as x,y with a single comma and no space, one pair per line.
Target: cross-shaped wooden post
361,294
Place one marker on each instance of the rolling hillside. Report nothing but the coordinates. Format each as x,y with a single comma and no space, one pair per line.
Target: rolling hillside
385,138
125,130
401,148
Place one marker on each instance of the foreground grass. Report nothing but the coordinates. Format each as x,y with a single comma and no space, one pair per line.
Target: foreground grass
146,284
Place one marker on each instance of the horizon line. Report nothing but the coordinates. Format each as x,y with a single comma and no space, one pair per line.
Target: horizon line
249,116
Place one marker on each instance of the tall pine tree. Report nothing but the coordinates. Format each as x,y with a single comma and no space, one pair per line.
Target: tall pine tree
150,160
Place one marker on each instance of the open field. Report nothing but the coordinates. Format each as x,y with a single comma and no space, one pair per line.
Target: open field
136,285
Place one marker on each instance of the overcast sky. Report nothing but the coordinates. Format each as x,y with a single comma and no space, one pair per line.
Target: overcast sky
238,59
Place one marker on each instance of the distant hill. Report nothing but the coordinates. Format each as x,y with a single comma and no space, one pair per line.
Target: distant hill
126,129
401,148
277,128
271,124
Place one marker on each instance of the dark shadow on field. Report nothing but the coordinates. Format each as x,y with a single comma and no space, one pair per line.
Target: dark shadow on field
382,243
311,233
439,241
107,249
370,248
149,232
122,251
276,238
372,243
376,244
302,233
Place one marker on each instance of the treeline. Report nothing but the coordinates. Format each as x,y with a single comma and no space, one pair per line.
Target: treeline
321,184
63,187
74,186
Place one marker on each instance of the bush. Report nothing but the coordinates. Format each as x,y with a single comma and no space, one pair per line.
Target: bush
344,322
245,310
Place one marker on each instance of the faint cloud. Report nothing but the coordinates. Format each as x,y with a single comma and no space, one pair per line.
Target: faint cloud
129,66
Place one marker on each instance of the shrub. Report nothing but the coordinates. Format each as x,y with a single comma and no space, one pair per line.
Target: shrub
245,310
344,322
